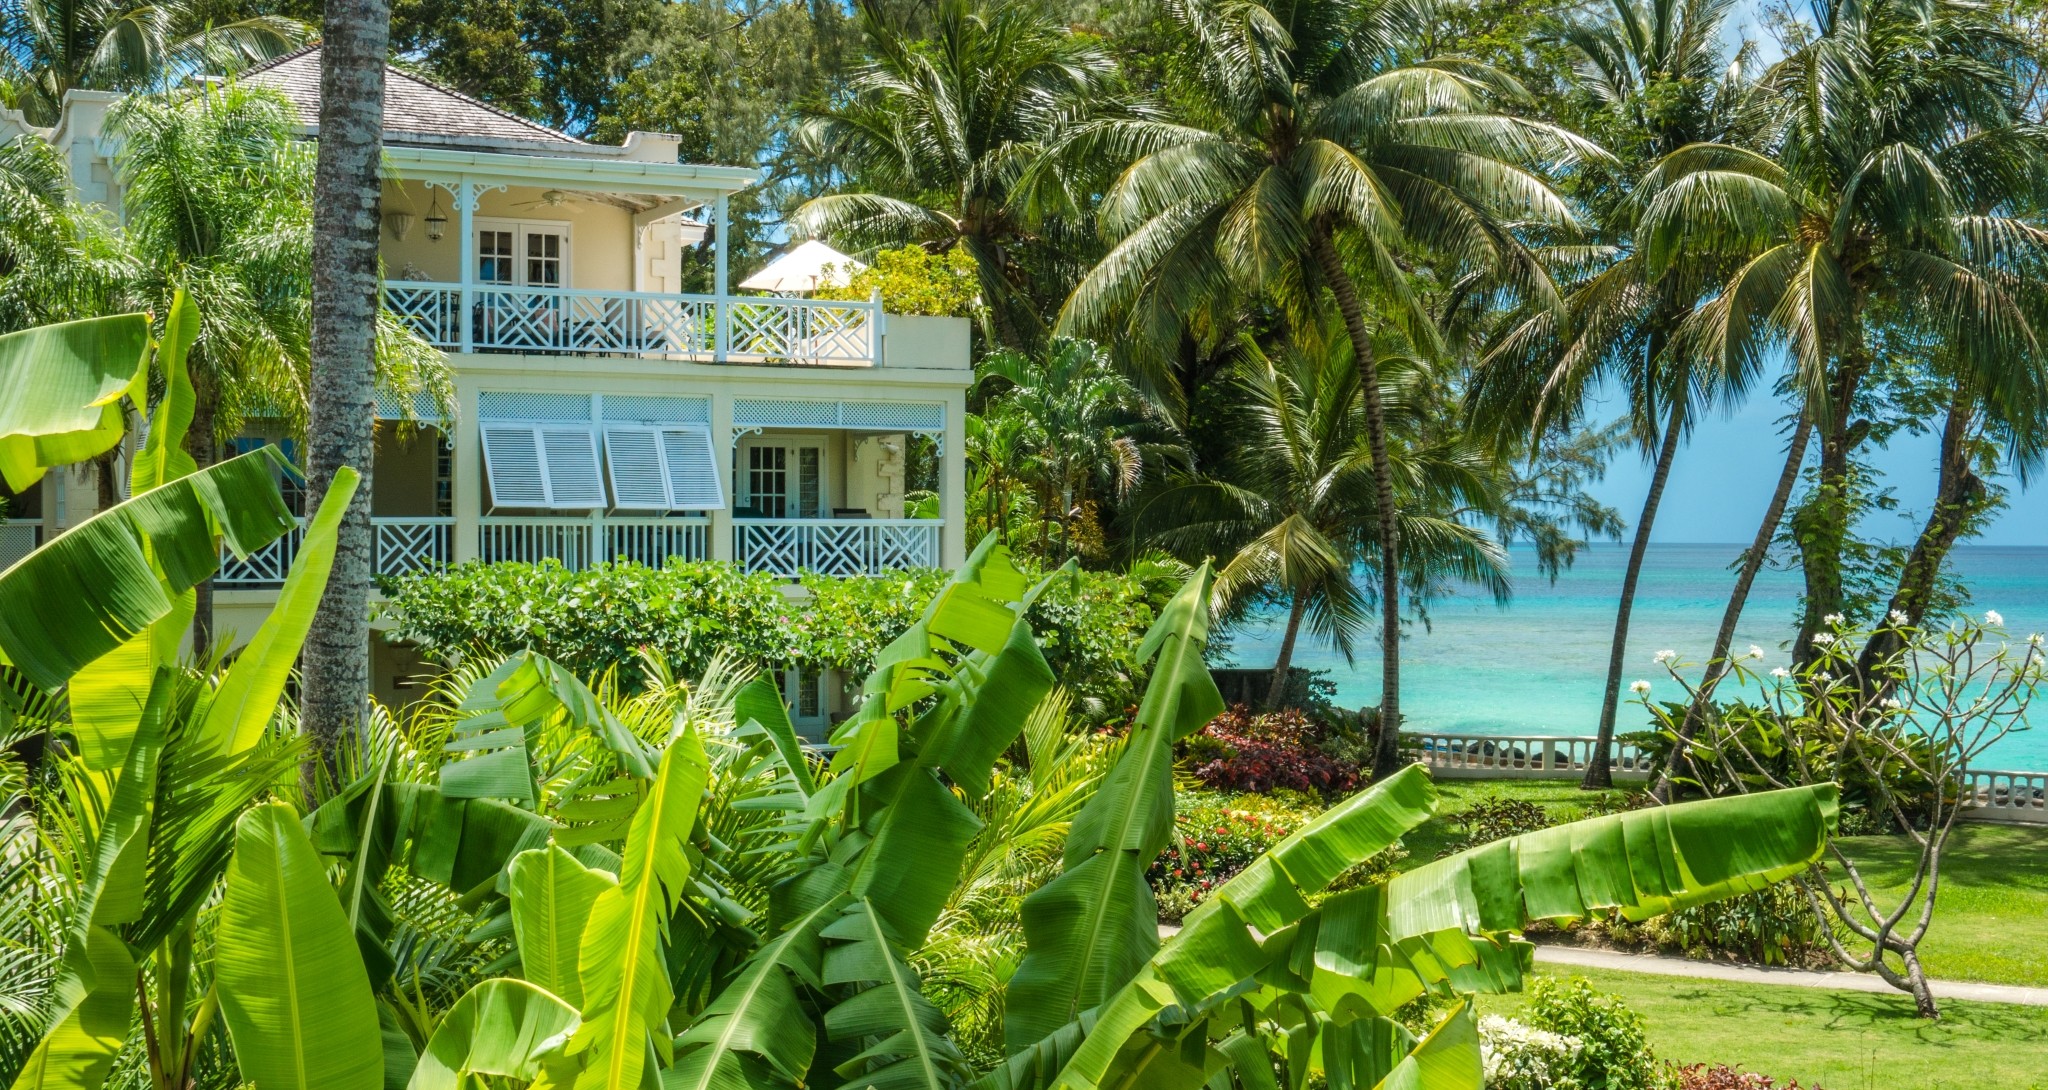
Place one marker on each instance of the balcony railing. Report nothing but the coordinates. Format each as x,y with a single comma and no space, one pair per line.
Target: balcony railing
487,318
1521,756
577,543
404,544
787,547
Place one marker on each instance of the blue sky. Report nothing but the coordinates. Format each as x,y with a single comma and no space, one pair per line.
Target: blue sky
1723,480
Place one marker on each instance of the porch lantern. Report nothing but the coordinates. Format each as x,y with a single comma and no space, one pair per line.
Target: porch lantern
437,221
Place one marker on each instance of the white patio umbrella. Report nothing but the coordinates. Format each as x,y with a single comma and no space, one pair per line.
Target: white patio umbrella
804,269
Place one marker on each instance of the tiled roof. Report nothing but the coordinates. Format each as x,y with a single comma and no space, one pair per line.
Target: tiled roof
415,111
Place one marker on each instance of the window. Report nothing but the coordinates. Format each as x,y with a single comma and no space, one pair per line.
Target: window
543,465
666,467
516,254
783,477
494,257
543,259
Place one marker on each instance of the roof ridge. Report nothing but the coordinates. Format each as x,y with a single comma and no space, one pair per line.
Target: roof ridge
391,70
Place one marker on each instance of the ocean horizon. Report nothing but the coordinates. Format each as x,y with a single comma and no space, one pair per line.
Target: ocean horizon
1537,664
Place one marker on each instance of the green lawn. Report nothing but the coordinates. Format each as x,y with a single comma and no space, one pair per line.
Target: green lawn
1991,916
1836,1040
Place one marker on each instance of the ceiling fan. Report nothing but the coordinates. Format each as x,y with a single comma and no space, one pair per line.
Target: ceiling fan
553,199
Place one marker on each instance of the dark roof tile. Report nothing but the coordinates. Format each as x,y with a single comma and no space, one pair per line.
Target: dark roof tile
416,111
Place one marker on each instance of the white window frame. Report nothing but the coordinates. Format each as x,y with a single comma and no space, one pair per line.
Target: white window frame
520,229
537,434
659,435
793,441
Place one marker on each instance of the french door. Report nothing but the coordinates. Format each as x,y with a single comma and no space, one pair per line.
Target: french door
512,255
782,477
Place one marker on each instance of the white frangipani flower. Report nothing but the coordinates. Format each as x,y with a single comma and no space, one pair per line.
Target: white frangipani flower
1663,657
1781,673
1992,618
2034,640
1832,619
1756,652
1639,687
1891,703
1898,617
1822,639
1824,677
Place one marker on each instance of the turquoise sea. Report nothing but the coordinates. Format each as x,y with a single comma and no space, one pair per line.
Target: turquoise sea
1536,665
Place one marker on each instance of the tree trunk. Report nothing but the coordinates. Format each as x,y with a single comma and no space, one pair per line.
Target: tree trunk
1752,562
347,191
1277,691
1599,769
1387,758
199,444
1821,525
1959,498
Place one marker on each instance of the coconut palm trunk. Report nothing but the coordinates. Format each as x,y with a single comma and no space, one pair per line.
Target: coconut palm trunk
1959,497
343,412
1387,757
1752,562
1277,690
1599,768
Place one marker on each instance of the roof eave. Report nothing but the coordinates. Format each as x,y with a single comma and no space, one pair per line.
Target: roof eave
600,175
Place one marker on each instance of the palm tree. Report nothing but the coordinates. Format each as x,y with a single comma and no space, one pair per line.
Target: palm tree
1079,435
1888,199
342,414
935,133
50,47
1295,505
1658,72
1309,157
217,197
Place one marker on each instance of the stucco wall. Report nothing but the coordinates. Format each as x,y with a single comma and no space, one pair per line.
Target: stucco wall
601,254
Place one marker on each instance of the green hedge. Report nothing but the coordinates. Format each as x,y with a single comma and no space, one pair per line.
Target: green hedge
590,620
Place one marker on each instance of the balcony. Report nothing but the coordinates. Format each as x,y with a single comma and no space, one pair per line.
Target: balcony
701,328
782,547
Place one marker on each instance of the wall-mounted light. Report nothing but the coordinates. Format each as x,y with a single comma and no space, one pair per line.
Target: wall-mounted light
437,221
693,233
398,223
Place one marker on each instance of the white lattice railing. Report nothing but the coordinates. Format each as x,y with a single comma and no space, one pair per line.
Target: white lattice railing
695,327
18,539
404,544
1521,756
579,542
2008,796
787,547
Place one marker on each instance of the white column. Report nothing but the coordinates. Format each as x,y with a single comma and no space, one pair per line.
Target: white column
718,535
465,213
953,482
722,309
467,452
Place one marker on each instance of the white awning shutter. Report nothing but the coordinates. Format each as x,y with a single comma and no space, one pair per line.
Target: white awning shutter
574,480
695,483
633,455
540,466
512,459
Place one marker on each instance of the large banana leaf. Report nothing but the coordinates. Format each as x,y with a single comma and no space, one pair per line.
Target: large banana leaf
909,1049
94,990
491,750
1447,926
60,392
552,895
758,1014
163,458
502,1027
247,698
1089,931
626,987
293,991
110,577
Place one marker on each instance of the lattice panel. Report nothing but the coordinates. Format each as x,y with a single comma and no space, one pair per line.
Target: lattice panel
519,405
634,409
749,412
424,410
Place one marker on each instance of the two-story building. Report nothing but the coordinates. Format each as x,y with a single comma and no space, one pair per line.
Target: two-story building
599,411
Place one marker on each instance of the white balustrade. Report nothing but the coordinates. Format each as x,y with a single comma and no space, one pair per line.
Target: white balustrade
17,540
403,544
637,323
2006,796
1521,756
654,542
787,547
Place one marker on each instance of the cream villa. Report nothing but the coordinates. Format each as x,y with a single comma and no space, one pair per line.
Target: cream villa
600,411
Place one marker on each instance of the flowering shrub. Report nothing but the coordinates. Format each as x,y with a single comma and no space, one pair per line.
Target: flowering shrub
1516,1056
1492,819
1775,925
1615,1052
1212,842
1240,751
1723,1077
